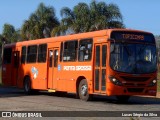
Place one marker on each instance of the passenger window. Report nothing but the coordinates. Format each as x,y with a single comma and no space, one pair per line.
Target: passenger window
16,59
70,51
55,58
85,50
50,58
42,51
32,54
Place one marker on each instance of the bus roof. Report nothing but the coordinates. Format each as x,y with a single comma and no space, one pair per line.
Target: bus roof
99,33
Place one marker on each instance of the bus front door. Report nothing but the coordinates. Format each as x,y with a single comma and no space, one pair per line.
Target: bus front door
15,65
52,68
100,68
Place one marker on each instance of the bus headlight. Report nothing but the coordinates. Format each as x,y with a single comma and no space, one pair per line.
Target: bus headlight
152,83
115,81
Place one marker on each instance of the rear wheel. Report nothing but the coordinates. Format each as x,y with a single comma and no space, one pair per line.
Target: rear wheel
83,90
27,85
123,98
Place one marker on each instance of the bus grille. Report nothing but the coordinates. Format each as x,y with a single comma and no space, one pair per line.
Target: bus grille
135,89
137,79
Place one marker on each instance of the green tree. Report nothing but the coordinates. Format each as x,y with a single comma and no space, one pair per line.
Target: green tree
74,21
105,16
10,34
2,41
40,23
17,36
84,18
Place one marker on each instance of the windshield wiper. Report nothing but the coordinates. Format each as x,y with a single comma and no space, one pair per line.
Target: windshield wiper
128,51
142,49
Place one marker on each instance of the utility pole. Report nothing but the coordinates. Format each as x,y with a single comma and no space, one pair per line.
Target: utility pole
3,43
2,49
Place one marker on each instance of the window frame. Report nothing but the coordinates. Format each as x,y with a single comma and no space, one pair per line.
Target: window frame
74,51
29,59
89,52
25,55
42,53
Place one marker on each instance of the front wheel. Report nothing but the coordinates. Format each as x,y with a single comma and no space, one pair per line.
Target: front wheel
83,90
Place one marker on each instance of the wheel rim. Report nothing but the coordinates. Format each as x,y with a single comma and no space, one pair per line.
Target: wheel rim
84,90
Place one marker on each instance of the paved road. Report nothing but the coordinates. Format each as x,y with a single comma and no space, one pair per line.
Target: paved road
13,99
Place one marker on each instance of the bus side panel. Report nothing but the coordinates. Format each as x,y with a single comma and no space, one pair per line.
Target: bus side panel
6,74
69,73
15,67
37,73
21,75
7,66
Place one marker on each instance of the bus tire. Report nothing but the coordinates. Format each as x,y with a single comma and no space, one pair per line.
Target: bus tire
122,98
83,90
27,85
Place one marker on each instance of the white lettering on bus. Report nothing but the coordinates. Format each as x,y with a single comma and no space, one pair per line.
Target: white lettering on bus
77,68
69,68
83,68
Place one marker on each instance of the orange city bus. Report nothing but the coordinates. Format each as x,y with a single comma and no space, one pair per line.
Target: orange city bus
112,62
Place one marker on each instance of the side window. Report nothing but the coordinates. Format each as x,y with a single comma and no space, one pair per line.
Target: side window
32,54
97,55
55,58
104,55
85,50
23,56
50,58
42,51
70,51
7,56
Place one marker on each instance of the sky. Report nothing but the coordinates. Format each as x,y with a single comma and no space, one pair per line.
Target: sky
137,14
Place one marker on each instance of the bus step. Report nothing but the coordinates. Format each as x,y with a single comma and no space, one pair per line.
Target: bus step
51,90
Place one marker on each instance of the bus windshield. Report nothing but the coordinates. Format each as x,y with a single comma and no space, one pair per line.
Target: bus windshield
133,58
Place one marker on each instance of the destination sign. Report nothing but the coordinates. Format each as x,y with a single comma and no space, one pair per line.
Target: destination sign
132,36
